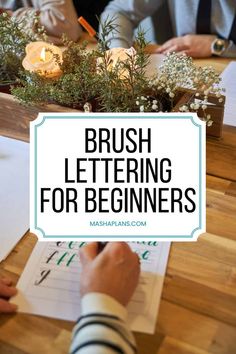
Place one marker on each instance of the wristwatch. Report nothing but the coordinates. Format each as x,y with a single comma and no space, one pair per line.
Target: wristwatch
218,46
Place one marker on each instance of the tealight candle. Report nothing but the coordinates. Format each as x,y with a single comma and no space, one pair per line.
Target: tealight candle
119,55
40,58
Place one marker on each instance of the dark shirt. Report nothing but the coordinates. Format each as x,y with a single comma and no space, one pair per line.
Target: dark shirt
89,9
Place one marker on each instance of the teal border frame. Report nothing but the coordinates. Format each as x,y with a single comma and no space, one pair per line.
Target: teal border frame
35,132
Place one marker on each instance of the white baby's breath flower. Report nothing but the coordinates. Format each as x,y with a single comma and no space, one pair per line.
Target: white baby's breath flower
184,108
209,123
141,108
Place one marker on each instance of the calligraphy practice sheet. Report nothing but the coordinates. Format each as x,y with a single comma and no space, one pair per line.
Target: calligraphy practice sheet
49,285
229,83
14,193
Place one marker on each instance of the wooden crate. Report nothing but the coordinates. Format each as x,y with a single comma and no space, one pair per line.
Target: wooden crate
5,88
214,108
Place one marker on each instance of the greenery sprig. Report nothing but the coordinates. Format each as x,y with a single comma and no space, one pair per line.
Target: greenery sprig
109,84
14,36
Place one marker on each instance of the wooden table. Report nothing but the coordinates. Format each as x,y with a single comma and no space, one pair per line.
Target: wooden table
198,308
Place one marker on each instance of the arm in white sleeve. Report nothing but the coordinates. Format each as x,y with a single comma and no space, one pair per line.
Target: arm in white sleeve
102,327
57,16
230,52
127,14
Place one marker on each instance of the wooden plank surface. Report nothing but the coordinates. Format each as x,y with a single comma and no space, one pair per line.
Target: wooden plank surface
221,155
198,307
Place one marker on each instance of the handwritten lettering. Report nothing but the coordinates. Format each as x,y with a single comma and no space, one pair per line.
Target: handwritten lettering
43,275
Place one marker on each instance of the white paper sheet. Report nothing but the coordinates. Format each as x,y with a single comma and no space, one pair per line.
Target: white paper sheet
14,193
229,83
49,285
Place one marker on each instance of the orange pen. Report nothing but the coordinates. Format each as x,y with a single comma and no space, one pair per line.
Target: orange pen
91,31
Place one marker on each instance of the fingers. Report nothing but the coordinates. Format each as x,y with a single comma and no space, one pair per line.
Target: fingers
7,307
89,252
168,44
173,45
151,48
6,281
174,48
191,53
117,248
7,291
187,52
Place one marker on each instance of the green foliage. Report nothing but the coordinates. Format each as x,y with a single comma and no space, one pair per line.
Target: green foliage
111,84
106,27
78,84
13,40
90,77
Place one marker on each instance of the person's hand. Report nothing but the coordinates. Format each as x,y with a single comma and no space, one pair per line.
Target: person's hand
86,37
9,12
152,48
194,45
6,292
114,271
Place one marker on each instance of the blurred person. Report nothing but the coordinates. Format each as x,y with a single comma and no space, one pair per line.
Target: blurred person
199,28
57,16
107,283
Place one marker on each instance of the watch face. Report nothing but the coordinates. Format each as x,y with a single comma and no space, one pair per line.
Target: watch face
219,45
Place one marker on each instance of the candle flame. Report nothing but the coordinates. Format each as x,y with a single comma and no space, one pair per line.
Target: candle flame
43,54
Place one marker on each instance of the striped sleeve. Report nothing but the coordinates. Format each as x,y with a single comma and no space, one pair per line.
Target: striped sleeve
102,327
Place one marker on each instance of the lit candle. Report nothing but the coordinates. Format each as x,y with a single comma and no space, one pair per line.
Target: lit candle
43,55
40,58
119,55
